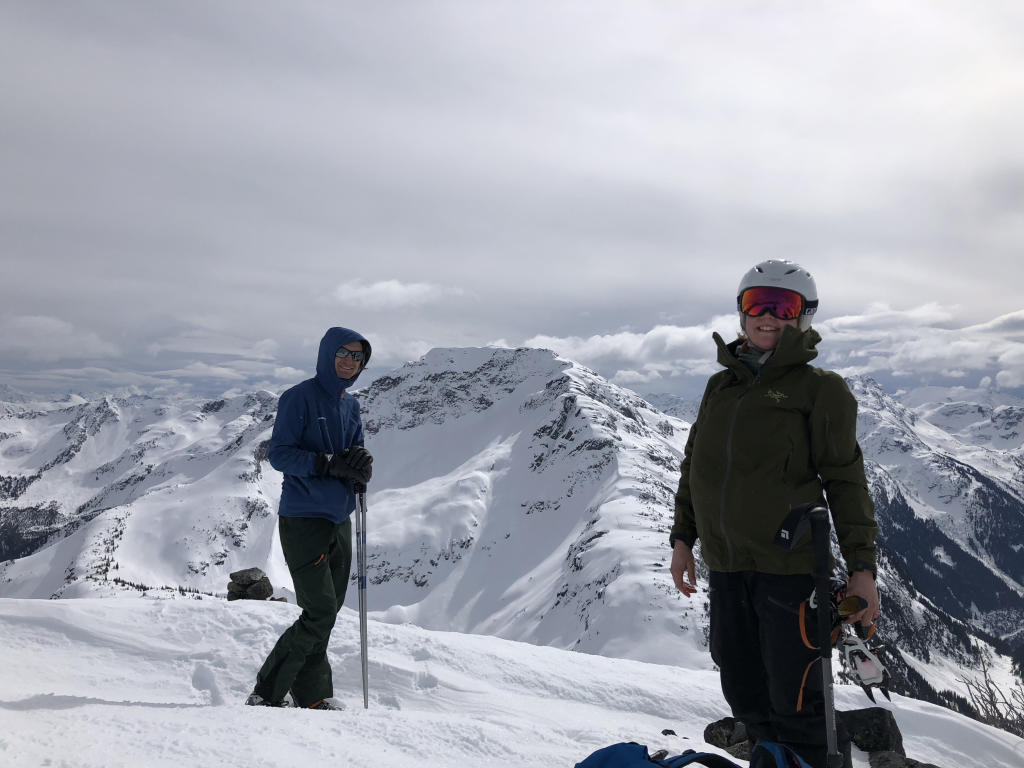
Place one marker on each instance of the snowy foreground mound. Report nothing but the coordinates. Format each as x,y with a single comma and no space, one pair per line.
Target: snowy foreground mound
160,683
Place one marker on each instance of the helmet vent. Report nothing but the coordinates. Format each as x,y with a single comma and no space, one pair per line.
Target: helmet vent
790,271
759,269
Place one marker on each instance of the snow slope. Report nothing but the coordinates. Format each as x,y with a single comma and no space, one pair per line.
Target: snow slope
523,496
156,492
159,682
950,503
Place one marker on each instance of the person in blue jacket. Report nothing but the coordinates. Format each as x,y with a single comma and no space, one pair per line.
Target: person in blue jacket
317,444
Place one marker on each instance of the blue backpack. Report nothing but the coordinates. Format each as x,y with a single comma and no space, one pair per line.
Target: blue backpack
769,755
630,755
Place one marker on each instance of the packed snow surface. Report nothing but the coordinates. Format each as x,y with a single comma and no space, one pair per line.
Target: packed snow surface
160,682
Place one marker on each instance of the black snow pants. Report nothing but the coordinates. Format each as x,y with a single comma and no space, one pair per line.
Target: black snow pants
319,556
770,676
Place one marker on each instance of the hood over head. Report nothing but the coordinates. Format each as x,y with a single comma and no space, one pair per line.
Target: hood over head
329,344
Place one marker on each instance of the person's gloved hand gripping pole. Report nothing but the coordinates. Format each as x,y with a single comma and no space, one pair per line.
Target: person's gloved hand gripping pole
353,465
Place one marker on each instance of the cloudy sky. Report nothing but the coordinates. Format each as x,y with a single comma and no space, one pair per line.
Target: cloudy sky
191,193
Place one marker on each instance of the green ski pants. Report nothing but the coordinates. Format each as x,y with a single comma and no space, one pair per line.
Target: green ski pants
319,556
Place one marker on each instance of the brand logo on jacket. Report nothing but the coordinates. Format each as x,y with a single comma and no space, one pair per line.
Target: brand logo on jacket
776,396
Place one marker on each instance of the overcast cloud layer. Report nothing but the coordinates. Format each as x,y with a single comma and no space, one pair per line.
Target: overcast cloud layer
190,193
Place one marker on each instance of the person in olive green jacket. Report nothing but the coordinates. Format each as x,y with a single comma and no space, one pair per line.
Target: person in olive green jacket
772,432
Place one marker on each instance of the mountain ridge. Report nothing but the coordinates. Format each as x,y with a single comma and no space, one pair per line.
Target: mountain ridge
516,493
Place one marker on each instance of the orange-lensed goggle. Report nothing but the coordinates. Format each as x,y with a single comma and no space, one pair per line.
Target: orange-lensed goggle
781,302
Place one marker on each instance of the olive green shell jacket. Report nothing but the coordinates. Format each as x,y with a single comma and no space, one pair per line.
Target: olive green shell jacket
763,445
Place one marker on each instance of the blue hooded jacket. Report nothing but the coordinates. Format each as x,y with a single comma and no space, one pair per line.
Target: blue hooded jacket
315,417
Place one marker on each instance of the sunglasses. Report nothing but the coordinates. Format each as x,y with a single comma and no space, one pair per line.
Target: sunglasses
357,356
781,302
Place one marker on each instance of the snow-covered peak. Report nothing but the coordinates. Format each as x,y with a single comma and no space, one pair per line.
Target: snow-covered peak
981,417
680,407
449,383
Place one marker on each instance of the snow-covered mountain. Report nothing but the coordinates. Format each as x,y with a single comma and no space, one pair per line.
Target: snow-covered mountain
525,497
158,492
680,407
515,494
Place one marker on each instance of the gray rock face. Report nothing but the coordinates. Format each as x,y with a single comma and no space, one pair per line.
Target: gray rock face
247,577
874,730
261,590
729,734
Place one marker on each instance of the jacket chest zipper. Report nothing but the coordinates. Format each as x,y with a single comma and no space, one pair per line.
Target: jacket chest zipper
728,468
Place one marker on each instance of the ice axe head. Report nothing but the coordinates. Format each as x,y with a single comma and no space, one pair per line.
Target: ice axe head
797,522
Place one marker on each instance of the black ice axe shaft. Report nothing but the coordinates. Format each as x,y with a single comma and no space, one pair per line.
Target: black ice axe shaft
815,516
360,516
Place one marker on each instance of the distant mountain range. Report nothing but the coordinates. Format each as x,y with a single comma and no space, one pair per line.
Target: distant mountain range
518,494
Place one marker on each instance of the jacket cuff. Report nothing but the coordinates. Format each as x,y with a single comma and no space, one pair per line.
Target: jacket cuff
863,565
688,538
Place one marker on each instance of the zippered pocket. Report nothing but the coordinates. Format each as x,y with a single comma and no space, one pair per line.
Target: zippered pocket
320,560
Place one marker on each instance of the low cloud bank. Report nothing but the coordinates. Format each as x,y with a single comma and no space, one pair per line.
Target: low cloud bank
899,347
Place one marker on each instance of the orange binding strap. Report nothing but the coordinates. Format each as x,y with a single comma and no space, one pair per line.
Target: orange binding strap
803,636
800,698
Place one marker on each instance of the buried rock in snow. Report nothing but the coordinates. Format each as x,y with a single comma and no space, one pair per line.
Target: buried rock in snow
236,591
729,734
873,729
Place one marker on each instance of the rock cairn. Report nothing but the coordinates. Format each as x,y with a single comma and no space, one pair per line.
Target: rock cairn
250,584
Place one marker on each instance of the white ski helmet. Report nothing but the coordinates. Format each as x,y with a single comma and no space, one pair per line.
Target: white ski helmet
779,273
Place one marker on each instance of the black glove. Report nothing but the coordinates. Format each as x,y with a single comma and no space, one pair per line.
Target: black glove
323,461
337,466
357,457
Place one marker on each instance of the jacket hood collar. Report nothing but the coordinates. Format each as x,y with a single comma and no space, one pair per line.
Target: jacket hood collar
796,347
325,375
